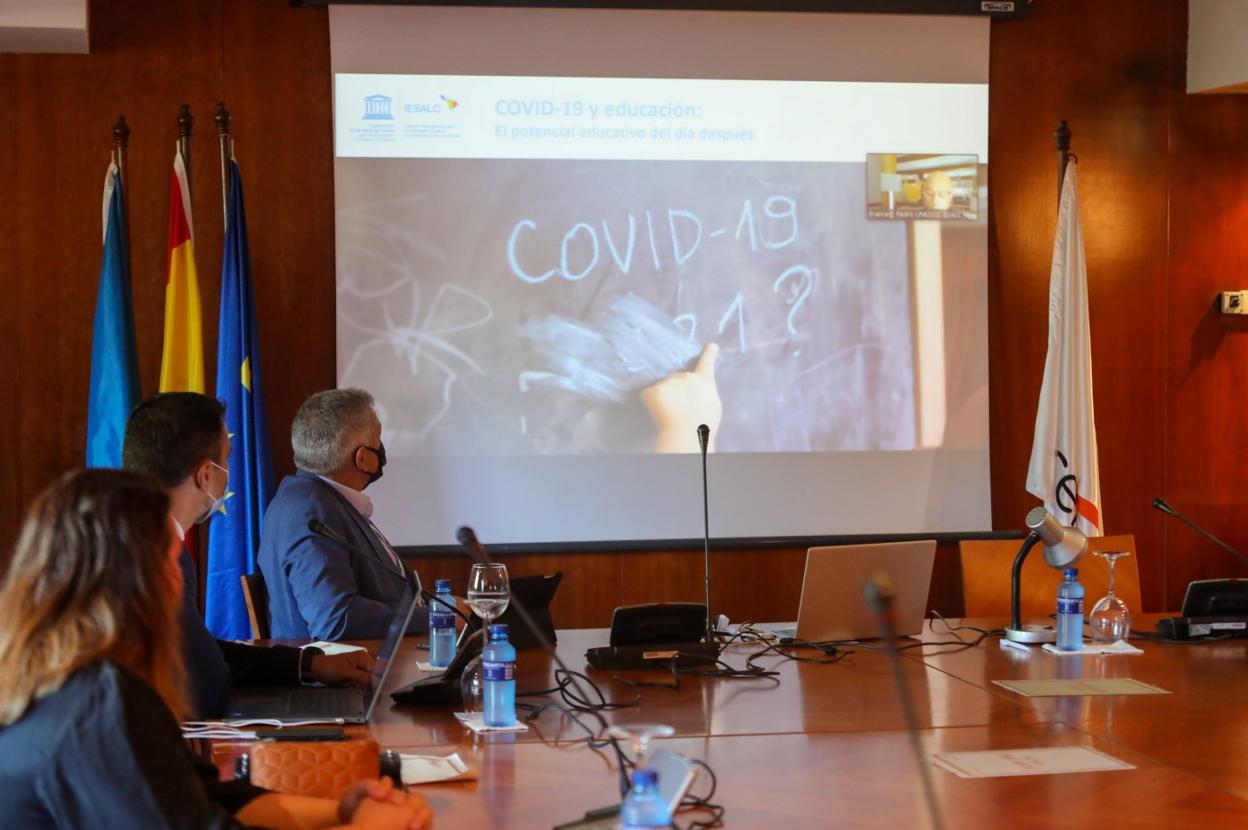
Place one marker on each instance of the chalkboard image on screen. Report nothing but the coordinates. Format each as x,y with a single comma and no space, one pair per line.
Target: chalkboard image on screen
508,307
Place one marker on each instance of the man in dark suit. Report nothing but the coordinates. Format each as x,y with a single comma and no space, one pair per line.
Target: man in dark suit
320,586
179,438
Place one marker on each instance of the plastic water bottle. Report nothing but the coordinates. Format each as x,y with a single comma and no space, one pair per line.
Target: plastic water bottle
498,668
442,627
644,808
1070,612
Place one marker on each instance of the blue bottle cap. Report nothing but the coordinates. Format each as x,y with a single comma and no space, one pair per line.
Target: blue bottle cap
498,631
645,778
1071,572
442,586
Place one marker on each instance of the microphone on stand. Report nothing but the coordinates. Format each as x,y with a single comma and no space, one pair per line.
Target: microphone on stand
704,435
878,593
468,539
1161,505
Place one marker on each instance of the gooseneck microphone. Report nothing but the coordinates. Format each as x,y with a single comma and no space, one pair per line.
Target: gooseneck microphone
704,435
878,593
468,539
1161,505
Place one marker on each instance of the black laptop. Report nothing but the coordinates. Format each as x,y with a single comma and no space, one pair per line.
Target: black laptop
321,704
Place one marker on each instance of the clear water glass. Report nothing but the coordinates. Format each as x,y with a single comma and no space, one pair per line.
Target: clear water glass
489,593
639,736
1110,618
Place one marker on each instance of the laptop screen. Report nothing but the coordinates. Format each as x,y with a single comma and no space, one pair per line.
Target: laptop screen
390,644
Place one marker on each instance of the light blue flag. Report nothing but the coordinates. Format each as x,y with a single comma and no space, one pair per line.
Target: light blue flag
114,389
234,535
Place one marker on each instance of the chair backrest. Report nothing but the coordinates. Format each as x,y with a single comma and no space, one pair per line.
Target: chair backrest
256,595
986,566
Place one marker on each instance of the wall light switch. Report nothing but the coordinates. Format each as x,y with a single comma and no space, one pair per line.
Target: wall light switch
1234,302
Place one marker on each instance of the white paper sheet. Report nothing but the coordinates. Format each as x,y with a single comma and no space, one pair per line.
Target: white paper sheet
427,769
1051,760
335,648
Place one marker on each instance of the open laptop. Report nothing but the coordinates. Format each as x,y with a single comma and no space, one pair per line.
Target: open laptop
320,704
832,609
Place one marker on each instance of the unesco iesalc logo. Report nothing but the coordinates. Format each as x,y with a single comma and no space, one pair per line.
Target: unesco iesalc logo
377,108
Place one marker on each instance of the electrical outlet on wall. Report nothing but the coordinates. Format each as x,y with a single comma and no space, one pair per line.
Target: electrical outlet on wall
1234,302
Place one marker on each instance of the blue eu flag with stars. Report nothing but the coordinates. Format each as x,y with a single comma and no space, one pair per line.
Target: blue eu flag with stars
234,535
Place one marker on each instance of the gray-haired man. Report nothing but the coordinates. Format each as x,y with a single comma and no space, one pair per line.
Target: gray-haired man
319,587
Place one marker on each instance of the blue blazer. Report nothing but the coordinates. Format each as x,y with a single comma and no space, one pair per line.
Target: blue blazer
318,588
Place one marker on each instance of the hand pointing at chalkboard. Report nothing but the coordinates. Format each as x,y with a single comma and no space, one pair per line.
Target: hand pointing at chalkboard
681,401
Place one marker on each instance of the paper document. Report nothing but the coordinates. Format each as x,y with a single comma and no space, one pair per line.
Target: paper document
1050,760
427,769
1120,647
1080,686
335,648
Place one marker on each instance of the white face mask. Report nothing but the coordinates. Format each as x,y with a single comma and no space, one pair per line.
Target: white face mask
218,502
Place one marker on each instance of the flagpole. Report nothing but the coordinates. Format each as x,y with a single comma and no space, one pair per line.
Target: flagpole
1062,137
195,535
185,122
121,142
225,145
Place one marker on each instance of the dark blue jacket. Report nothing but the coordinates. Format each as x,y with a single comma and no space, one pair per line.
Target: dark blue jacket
104,751
214,667
318,588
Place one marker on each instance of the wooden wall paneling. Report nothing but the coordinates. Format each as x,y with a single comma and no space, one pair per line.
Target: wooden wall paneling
278,88
1111,81
145,61
1207,377
945,594
590,590
12,228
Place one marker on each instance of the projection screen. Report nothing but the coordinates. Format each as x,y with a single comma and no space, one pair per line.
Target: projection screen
565,238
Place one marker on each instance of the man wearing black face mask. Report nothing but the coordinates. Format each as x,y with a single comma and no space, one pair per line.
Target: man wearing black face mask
179,438
321,588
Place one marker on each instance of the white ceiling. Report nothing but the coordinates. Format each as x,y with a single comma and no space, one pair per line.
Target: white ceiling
43,26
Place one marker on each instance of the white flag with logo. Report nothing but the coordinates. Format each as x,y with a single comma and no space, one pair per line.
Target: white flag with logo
1063,471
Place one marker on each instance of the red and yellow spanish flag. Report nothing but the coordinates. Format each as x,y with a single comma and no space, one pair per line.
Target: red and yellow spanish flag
182,361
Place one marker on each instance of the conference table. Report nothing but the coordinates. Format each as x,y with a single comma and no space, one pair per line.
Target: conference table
825,744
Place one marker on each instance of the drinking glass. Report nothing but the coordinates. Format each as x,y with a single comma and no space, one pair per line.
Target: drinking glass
489,592
1110,618
639,736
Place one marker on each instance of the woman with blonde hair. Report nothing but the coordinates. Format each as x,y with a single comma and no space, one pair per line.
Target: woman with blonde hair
91,680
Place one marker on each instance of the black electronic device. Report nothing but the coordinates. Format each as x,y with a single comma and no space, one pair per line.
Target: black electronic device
657,623
444,688
536,594
1211,608
1216,598
645,636
1199,628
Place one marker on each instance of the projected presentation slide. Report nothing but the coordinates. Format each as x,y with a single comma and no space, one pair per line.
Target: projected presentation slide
576,266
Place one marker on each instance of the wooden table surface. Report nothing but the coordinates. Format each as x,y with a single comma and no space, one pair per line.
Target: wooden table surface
825,745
